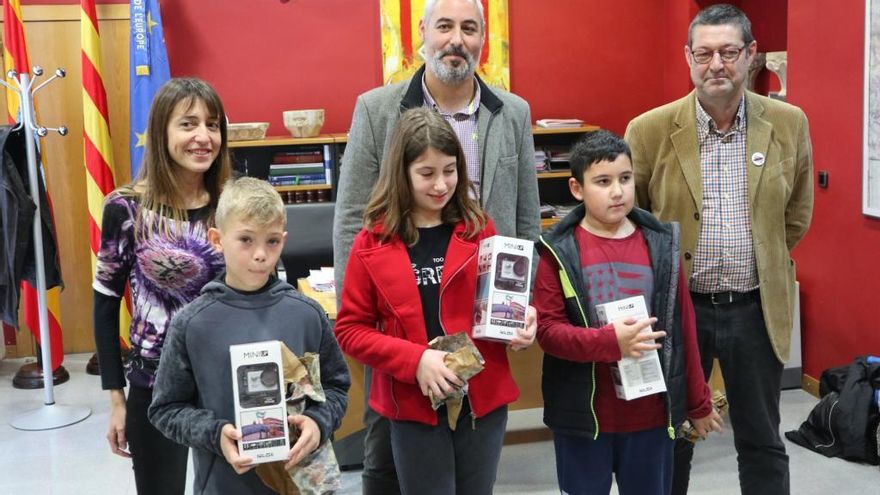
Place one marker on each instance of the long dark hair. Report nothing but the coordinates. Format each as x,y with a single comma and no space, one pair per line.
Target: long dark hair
391,202
155,184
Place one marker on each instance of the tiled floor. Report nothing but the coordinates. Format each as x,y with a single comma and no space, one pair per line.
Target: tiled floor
75,459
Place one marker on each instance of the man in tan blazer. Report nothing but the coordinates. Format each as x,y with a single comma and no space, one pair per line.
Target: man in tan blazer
735,170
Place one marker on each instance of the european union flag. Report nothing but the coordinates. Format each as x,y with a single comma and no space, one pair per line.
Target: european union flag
149,70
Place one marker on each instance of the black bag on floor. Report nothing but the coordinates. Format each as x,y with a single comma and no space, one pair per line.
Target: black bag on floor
845,424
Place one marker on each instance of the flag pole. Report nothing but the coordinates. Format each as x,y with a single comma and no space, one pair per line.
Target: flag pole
51,415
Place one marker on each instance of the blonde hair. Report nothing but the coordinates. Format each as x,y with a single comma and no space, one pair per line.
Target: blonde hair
252,201
155,186
392,201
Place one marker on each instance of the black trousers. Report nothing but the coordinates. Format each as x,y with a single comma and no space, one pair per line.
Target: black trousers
735,334
159,464
379,476
435,460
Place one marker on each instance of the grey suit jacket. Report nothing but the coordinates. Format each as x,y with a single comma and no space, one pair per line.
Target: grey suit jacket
509,185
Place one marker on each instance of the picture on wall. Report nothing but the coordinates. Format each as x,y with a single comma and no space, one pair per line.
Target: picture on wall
871,136
401,41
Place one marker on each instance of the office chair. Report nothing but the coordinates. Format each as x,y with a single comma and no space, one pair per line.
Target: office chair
309,243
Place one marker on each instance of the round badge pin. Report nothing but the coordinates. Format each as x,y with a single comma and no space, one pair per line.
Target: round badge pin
758,159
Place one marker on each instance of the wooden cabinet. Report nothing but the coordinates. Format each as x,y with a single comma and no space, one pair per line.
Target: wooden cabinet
553,181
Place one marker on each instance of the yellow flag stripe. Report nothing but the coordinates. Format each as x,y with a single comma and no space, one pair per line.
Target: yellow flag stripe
91,42
97,129
95,199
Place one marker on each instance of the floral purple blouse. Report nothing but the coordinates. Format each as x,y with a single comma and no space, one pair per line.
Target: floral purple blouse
165,273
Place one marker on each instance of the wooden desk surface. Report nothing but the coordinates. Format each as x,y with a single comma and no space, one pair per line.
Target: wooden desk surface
327,300
525,366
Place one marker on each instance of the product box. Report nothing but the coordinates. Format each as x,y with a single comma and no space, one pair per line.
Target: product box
504,271
633,377
260,406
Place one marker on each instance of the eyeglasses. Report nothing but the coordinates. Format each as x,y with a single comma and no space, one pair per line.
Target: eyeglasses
727,55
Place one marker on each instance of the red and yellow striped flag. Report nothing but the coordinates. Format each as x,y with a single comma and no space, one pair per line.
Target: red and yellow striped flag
97,149
15,57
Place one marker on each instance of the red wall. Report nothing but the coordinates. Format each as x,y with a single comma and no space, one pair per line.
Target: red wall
568,61
839,260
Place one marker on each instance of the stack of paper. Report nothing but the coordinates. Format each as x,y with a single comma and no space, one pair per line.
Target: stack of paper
322,280
554,123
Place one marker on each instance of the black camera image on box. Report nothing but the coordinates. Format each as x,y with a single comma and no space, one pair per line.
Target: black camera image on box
258,385
260,407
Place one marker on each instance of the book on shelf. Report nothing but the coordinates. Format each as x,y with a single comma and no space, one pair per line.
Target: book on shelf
299,176
289,157
328,164
312,169
559,123
297,181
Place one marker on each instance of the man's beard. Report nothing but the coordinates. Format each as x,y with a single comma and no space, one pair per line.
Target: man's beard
453,75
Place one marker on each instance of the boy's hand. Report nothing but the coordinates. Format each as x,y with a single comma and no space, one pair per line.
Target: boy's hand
525,336
707,424
432,374
228,436
632,341
309,438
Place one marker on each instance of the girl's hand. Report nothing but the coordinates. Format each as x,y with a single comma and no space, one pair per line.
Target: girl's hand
632,341
309,439
228,437
433,375
525,336
116,429
707,424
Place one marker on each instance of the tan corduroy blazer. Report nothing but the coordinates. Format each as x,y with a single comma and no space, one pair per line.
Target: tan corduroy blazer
666,159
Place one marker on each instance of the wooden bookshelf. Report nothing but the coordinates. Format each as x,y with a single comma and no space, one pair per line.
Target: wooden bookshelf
555,174
564,130
549,222
283,141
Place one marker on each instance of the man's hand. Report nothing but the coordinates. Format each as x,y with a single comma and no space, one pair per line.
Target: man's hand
432,374
228,437
632,341
707,424
525,336
309,439
116,429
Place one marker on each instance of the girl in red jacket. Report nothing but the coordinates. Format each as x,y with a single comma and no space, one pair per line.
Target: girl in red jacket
411,277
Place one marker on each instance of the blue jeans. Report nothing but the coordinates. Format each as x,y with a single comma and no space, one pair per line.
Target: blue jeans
735,334
641,462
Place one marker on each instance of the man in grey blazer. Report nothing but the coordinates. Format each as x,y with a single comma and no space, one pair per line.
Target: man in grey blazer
494,128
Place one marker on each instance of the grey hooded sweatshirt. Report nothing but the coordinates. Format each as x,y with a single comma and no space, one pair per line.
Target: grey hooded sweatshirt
193,394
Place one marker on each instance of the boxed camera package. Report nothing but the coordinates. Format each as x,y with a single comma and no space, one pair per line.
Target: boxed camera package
260,407
633,377
504,270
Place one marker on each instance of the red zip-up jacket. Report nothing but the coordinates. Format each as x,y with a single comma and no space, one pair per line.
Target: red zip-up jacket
380,324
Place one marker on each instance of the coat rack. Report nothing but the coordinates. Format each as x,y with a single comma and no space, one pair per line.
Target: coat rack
51,415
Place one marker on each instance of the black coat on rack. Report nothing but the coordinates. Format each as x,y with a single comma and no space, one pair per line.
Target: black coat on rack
17,208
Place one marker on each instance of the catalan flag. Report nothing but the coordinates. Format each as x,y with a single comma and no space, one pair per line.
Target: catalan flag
149,71
97,149
15,57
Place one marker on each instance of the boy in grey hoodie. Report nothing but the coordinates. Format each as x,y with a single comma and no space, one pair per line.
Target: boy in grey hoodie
193,395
